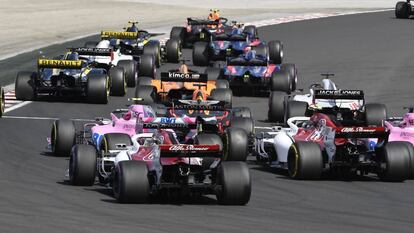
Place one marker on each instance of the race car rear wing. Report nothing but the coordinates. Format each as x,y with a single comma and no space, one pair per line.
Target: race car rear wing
339,94
191,21
119,35
361,132
225,37
207,105
92,51
181,77
190,150
59,64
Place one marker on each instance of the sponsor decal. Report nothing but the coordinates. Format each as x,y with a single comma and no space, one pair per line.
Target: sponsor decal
183,75
407,134
119,35
188,148
65,64
168,120
92,51
165,125
357,130
339,92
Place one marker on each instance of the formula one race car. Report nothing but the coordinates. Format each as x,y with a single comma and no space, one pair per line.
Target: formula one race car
282,106
2,102
68,75
402,129
158,162
198,30
252,72
403,10
184,83
234,44
333,141
100,132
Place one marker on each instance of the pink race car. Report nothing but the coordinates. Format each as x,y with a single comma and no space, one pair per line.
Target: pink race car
402,129
121,125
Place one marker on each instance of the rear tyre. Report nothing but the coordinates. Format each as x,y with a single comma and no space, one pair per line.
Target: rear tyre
97,89
178,33
173,50
201,54
305,161
295,109
402,10
280,81
25,86
276,112
153,48
242,112
147,66
82,165
2,102
113,141
293,73
275,51
222,84
251,30
410,149
62,137
375,114
118,84
235,181
214,74
147,93
130,184
236,145
221,94
246,124
208,139
130,71
396,157
145,81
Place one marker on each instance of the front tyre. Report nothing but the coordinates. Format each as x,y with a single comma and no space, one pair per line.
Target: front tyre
402,10
63,137
82,165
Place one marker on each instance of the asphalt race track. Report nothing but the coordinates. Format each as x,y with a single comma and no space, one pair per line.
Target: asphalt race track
368,51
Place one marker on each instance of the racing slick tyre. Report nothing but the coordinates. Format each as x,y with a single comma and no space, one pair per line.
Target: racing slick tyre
130,70
213,73
402,10
222,84
295,109
115,141
82,165
208,139
275,51
173,50
252,31
293,72
410,149
375,114
117,79
178,33
221,94
147,93
130,182
261,50
242,112
276,112
281,81
97,89
145,81
234,179
247,124
201,54
25,86
305,161
91,44
147,66
153,48
2,102
62,137
236,144
396,157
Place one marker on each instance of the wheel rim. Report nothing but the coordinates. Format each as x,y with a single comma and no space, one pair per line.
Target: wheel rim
53,138
293,161
2,103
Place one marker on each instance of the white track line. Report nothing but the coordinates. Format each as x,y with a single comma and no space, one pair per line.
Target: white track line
44,118
288,19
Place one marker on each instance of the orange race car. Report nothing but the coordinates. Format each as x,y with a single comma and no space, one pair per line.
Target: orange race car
184,83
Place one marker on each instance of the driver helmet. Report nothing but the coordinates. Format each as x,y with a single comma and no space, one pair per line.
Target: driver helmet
409,119
183,69
251,54
72,56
